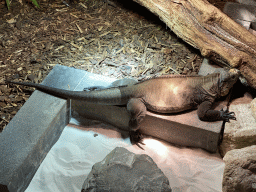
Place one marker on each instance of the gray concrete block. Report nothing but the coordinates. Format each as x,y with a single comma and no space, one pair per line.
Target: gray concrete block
207,67
29,136
113,115
183,129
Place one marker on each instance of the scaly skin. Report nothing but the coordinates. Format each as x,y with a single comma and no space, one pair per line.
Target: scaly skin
166,94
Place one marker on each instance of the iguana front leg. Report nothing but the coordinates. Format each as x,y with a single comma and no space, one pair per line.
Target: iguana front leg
205,113
137,111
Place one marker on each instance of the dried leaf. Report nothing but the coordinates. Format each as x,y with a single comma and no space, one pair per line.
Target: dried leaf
10,21
82,5
100,28
14,105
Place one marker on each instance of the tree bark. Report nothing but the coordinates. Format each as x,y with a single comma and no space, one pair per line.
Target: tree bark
206,28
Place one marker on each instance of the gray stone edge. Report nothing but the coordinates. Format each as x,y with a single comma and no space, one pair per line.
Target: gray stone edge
25,172
21,172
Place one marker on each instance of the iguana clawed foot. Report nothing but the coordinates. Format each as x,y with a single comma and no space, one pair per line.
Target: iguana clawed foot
226,115
136,138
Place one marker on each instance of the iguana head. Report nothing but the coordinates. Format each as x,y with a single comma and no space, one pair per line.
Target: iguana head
227,79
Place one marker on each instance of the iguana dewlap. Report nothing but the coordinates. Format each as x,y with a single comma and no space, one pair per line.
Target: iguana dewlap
166,94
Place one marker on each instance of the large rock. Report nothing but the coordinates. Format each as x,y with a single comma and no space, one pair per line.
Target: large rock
122,170
242,132
240,170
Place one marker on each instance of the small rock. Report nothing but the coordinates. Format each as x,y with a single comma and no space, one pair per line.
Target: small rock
122,170
240,170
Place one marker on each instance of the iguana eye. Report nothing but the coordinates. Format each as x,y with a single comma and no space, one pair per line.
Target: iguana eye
234,77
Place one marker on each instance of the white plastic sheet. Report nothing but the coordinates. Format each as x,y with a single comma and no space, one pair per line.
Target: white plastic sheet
70,160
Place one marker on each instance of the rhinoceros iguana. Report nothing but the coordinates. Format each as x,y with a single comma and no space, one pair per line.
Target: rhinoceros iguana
165,94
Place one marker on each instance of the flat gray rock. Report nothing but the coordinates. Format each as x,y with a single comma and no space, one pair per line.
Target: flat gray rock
240,170
122,170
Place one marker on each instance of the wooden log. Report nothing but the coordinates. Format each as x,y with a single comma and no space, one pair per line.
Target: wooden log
208,29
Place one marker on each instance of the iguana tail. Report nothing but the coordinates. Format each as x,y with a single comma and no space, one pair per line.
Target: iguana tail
110,96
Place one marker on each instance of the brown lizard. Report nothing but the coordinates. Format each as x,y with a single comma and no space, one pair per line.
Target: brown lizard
165,94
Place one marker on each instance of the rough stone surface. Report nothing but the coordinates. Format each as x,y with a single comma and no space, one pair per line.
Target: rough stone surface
240,170
253,108
29,136
183,129
207,67
242,132
122,170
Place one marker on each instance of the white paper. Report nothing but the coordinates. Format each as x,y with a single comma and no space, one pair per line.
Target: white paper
70,160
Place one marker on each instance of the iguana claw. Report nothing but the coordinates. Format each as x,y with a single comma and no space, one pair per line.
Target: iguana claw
226,115
136,138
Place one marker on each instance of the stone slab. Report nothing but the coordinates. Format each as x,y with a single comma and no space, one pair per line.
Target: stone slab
183,129
31,133
207,67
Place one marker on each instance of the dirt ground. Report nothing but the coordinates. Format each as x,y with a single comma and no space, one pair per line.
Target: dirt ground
109,37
